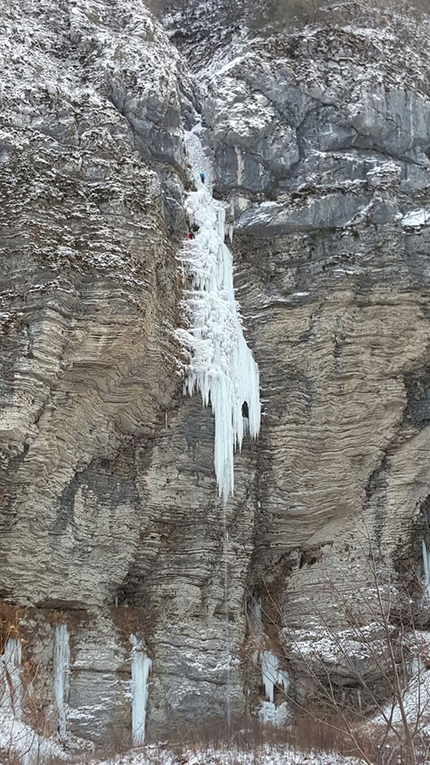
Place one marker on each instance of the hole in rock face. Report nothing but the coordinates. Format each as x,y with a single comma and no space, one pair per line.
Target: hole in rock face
245,410
310,557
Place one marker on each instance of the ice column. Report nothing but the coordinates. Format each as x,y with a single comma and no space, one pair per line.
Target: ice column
221,366
272,676
426,564
62,676
140,670
11,671
273,711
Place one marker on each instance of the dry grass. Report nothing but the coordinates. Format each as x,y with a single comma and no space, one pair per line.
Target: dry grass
305,733
9,623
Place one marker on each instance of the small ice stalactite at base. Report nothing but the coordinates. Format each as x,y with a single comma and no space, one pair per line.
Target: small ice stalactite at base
141,666
25,746
426,564
270,714
221,365
11,675
62,676
272,676
273,679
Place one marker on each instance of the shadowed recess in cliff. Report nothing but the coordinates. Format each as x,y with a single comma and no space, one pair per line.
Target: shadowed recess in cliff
221,367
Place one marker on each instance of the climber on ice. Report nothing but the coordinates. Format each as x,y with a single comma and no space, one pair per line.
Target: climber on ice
192,231
202,177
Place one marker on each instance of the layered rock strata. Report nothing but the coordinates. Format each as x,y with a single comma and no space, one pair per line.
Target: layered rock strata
110,521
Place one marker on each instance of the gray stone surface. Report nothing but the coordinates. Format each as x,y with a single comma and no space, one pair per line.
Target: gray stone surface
109,512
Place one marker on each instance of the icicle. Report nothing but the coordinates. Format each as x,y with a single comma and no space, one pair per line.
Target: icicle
140,670
269,666
62,676
11,672
272,676
426,564
222,367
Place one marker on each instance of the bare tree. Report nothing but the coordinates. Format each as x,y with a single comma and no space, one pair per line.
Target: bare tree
389,719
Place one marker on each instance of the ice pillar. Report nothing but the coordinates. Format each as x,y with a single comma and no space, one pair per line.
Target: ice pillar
11,671
140,670
426,564
62,676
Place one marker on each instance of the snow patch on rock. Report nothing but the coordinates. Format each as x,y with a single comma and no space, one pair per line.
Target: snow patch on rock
416,218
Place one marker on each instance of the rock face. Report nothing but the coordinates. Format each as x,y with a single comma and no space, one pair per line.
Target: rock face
109,511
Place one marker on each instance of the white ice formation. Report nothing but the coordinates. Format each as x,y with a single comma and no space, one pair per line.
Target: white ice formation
274,710
426,564
273,677
221,367
416,218
11,672
140,670
62,677
18,739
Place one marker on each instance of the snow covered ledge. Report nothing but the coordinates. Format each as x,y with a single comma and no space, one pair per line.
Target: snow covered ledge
416,219
221,366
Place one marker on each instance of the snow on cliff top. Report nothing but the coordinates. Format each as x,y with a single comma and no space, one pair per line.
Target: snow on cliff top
336,61
46,46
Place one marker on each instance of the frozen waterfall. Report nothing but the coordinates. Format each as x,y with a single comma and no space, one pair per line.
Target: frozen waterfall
140,670
22,743
272,676
272,711
221,367
426,564
62,676
10,670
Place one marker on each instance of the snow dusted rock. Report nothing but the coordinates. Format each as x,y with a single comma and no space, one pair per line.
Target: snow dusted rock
384,176
89,307
331,249
109,511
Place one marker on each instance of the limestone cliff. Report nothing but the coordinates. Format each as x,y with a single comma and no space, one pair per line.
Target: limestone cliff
110,519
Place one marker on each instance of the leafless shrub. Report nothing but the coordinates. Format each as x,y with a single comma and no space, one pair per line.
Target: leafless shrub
392,646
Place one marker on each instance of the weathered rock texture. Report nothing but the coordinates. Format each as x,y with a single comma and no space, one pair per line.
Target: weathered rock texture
109,513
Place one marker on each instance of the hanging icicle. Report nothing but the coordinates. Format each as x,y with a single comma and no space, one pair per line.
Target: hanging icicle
10,669
426,565
62,676
141,666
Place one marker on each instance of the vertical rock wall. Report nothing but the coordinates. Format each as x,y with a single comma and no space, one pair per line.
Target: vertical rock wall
110,521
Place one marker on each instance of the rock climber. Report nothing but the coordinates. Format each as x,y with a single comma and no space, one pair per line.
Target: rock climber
202,177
